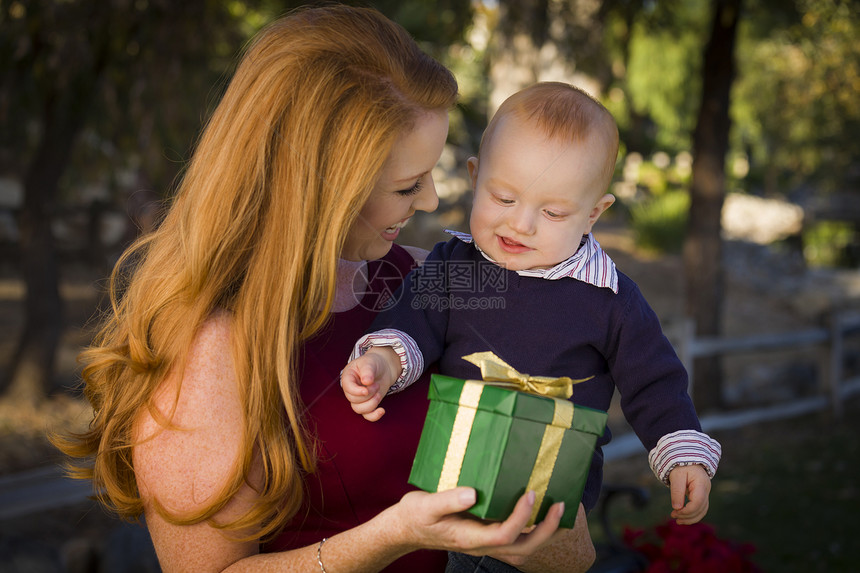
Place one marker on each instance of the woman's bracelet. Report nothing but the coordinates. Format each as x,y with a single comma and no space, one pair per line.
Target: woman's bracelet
319,555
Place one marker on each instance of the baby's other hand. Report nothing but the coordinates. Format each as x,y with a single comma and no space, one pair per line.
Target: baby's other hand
690,487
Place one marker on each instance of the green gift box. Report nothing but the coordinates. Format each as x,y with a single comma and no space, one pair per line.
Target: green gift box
501,442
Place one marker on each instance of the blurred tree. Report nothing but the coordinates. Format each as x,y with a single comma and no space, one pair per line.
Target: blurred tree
440,27
794,104
654,51
703,263
109,95
435,24
546,40
99,70
520,34
61,64
794,108
797,109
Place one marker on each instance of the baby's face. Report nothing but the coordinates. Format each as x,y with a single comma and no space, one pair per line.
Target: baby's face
534,197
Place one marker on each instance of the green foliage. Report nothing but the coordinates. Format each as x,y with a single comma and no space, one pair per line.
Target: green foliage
150,66
795,108
656,56
661,69
660,222
165,66
826,243
467,59
653,178
795,104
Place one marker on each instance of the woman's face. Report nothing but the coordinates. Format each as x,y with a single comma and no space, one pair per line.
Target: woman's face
405,186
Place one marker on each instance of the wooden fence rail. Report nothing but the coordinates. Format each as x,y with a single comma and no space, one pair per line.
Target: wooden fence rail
830,339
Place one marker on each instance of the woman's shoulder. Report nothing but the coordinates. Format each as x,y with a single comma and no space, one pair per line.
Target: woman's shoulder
189,439
208,370
213,336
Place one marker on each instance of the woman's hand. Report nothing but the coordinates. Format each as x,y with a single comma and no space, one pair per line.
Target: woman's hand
567,551
437,521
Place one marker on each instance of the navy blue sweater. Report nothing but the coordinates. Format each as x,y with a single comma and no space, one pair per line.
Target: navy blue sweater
458,303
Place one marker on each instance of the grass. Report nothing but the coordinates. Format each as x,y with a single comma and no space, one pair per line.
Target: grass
660,222
790,488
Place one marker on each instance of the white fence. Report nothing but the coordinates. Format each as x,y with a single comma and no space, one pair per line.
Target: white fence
829,339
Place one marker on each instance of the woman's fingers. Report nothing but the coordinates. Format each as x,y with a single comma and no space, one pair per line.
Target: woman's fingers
429,509
445,503
507,537
516,521
529,541
437,521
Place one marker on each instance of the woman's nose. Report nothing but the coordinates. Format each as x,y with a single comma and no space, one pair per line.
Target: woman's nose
426,199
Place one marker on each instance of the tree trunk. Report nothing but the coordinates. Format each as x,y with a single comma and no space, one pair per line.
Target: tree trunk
703,267
30,376
32,369
544,40
515,53
33,363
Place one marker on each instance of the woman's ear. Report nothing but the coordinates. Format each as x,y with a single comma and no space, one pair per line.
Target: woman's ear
472,166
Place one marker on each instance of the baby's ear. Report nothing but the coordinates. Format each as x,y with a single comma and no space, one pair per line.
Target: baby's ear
605,202
602,205
472,166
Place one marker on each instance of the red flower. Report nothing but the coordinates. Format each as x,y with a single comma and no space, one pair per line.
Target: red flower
673,548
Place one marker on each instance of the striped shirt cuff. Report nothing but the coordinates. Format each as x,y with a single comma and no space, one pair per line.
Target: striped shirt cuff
684,448
411,359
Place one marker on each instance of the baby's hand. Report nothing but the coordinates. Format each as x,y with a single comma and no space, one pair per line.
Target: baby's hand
691,484
365,381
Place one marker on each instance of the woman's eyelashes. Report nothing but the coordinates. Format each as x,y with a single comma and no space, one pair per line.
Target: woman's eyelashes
414,190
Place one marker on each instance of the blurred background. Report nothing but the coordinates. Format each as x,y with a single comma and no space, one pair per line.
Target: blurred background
738,214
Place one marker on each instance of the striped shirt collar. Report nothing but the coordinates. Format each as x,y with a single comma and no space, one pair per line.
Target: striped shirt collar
589,264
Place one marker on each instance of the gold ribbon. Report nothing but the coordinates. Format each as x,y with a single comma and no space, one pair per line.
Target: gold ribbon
500,373
562,420
470,395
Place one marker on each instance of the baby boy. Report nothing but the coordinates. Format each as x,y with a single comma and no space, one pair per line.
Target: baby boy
532,285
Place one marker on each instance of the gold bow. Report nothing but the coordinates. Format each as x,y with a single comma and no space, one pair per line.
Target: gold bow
500,373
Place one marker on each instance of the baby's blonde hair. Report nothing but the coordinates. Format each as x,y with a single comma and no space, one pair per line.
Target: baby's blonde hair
564,113
278,177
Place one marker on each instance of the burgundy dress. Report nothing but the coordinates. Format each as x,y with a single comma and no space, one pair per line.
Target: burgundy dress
362,466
